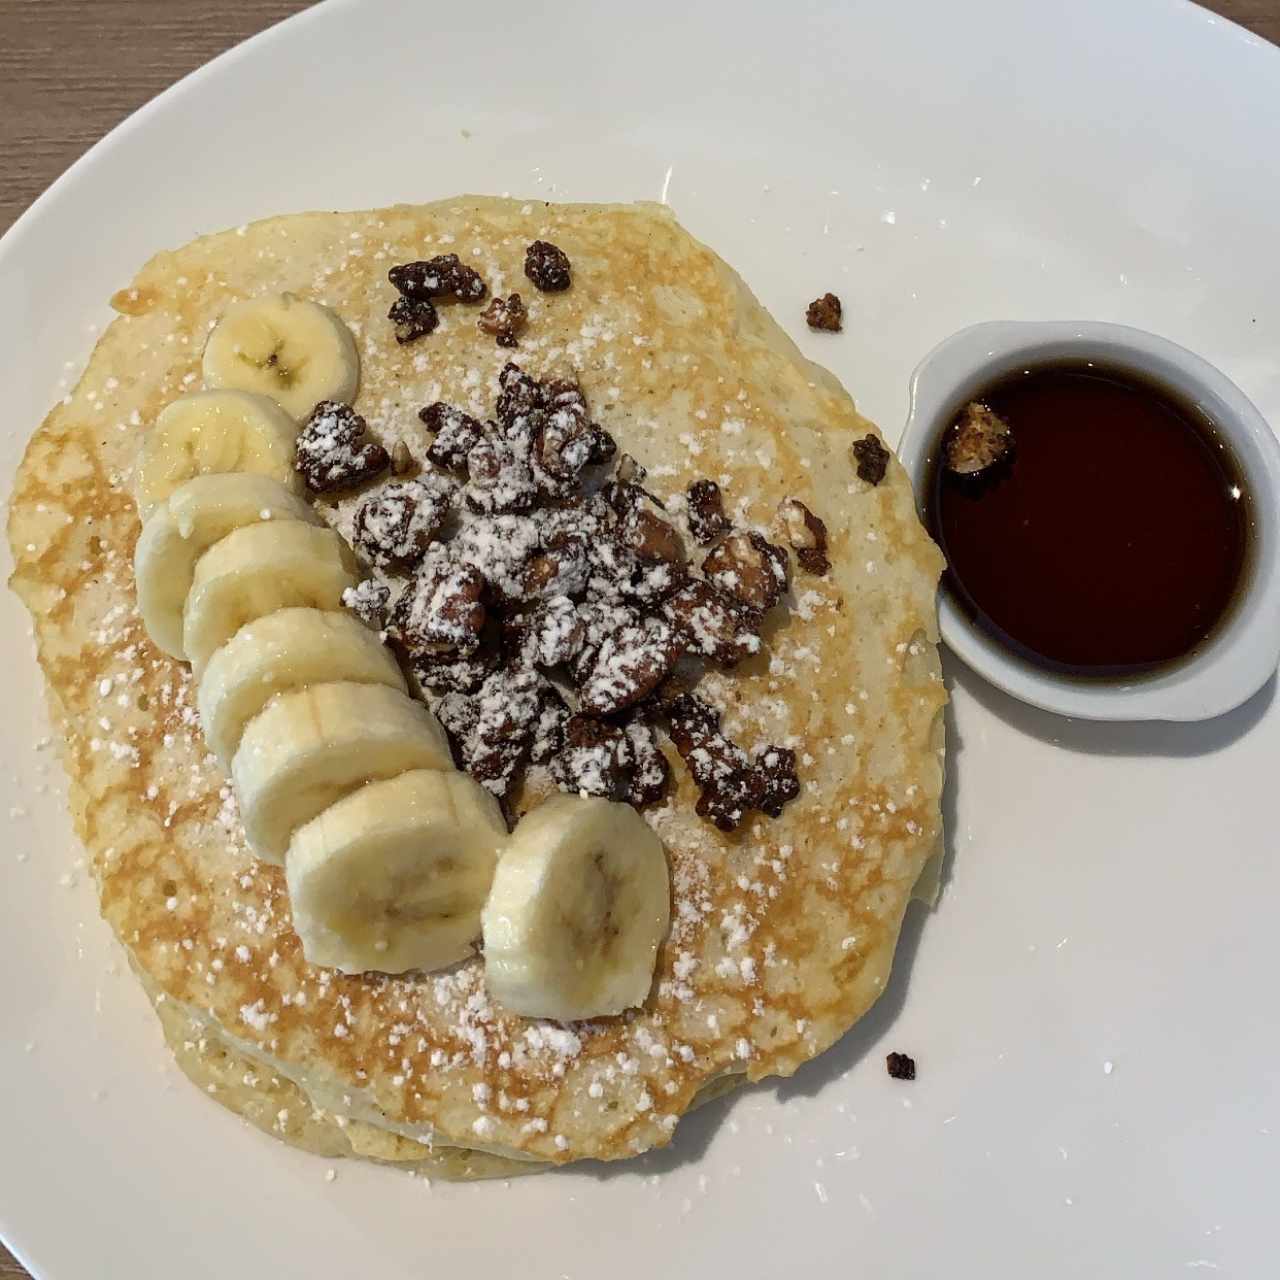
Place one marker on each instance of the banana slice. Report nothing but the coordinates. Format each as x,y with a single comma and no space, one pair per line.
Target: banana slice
278,653
256,570
310,748
579,904
184,526
393,877
213,433
296,351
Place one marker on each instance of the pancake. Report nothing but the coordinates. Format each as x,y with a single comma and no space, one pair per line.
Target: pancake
782,932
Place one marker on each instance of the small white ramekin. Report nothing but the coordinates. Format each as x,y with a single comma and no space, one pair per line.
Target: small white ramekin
1238,658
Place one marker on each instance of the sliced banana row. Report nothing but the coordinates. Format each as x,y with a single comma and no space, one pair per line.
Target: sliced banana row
390,854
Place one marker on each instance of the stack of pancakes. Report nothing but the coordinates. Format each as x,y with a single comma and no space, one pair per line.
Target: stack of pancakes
782,932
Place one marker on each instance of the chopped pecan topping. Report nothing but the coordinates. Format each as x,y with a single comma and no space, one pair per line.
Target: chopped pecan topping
457,433
629,665
650,773
901,1066
707,520
730,786
779,784
825,313
449,673
537,577
713,624
334,450
979,440
749,568
595,759
504,319
394,526
553,633
440,277
547,266
499,477
413,318
872,459
368,601
442,610
807,536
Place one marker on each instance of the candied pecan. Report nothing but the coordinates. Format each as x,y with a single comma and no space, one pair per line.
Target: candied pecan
457,433
978,440
553,633
394,525
519,394
749,568
559,569
713,624
334,451
779,784
707,520
618,573
690,718
595,759
562,446
368,601
547,266
650,773
497,729
442,610
730,786
825,313
872,459
599,619
630,663
504,318
563,398
548,729
443,276
500,547
901,1066
806,534
449,673
499,477
413,318
651,538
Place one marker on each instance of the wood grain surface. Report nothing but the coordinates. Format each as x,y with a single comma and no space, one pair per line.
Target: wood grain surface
71,70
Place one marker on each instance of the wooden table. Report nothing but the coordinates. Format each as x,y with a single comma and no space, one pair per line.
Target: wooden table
70,70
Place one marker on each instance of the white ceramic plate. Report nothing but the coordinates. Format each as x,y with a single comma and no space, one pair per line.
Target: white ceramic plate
1092,1006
